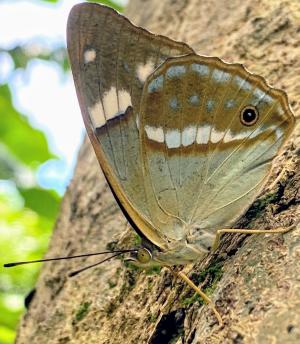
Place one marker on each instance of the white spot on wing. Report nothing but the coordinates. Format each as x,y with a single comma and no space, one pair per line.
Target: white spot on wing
188,135
261,129
194,100
156,84
97,115
124,100
269,99
220,76
259,94
242,83
280,110
155,134
126,67
110,103
203,134
176,71
230,103
89,55
279,133
200,69
262,96
173,102
209,105
231,136
173,138
144,70
216,135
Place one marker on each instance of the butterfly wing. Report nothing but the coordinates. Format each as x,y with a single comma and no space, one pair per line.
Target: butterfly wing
111,59
202,164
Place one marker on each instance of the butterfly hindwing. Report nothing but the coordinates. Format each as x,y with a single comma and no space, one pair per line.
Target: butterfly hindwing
202,164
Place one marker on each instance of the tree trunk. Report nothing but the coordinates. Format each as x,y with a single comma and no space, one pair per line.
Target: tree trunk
254,280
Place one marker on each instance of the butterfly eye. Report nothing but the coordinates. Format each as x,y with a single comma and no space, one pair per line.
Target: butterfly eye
144,255
249,115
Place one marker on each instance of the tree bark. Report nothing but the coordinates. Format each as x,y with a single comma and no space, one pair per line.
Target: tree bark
254,280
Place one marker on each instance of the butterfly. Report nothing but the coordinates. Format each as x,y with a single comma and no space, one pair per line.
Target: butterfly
186,142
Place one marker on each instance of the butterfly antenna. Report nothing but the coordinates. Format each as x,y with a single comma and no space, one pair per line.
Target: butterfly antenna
74,273
9,265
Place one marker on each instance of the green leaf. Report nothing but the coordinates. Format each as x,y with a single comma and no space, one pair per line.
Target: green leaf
7,170
110,3
29,145
7,335
12,315
12,169
22,55
44,202
23,236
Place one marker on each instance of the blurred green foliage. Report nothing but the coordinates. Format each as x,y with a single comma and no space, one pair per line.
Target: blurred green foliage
23,54
110,4
27,144
27,211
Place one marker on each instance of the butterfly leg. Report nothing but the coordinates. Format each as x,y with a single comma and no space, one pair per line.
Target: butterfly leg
248,231
206,299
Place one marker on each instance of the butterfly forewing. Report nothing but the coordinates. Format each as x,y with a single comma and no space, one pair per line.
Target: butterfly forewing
111,59
202,165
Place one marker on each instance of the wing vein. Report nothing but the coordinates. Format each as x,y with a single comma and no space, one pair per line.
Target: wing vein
118,100
151,181
238,147
235,177
101,99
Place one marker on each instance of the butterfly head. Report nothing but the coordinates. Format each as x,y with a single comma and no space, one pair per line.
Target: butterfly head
181,252
143,258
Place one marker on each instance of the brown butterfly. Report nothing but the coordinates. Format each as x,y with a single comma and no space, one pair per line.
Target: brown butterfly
186,142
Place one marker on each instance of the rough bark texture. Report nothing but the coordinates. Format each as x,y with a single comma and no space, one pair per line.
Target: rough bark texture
254,280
